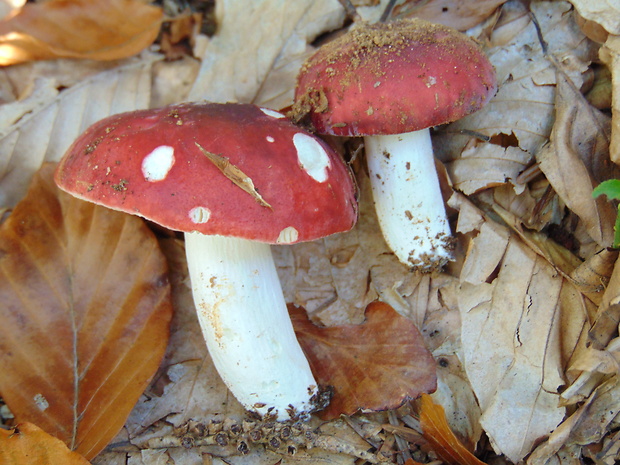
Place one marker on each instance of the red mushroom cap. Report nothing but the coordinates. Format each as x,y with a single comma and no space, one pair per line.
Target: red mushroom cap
392,78
222,169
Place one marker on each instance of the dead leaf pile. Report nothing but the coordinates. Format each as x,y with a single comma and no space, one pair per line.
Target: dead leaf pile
519,335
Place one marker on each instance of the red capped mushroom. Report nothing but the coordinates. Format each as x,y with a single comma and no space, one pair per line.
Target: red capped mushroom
390,82
235,178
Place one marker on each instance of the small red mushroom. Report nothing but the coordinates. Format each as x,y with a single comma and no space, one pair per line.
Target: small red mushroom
235,178
390,82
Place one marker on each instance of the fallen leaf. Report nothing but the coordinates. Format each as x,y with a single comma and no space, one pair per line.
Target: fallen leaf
511,324
519,118
610,55
237,67
437,432
44,129
85,311
576,159
377,365
237,177
27,444
78,29
604,12
459,14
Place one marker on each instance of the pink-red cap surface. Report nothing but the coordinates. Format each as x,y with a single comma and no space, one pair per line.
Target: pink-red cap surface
392,78
224,169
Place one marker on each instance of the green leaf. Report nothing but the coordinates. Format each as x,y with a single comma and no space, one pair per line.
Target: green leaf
610,188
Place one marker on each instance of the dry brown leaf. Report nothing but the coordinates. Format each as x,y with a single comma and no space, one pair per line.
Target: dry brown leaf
461,15
259,47
512,312
78,29
577,159
437,432
521,114
85,311
604,12
45,128
610,55
28,444
376,365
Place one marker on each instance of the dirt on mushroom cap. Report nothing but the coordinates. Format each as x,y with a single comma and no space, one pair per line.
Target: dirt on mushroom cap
390,78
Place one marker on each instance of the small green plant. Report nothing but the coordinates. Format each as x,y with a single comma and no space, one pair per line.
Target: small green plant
611,188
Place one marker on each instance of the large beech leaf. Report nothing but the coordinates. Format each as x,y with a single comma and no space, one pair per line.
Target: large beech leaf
28,444
376,365
78,29
85,309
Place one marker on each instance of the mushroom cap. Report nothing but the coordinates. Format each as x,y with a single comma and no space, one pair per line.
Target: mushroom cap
392,78
233,170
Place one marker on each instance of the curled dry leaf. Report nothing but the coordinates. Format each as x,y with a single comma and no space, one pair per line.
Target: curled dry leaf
519,119
577,159
610,55
46,127
604,12
459,14
516,334
85,314
377,365
78,29
27,444
437,432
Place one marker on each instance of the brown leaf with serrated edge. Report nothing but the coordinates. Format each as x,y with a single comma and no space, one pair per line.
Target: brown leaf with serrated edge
377,365
28,444
437,432
107,30
85,309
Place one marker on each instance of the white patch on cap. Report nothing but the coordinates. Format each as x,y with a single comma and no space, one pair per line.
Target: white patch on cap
157,164
199,215
312,156
272,113
288,236
270,139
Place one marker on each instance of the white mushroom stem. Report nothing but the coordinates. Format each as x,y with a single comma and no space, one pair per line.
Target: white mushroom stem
246,325
408,198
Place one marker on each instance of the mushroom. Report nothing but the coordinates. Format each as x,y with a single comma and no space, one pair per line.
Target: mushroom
391,82
235,178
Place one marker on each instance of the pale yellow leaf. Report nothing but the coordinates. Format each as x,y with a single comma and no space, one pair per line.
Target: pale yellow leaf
510,335
604,12
522,111
54,121
258,49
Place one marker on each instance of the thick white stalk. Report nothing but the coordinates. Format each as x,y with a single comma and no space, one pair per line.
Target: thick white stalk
408,198
246,325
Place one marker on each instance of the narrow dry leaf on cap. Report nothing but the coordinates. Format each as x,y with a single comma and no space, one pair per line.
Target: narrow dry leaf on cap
27,444
576,159
459,14
86,310
604,12
520,116
78,29
258,49
513,353
55,120
377,365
